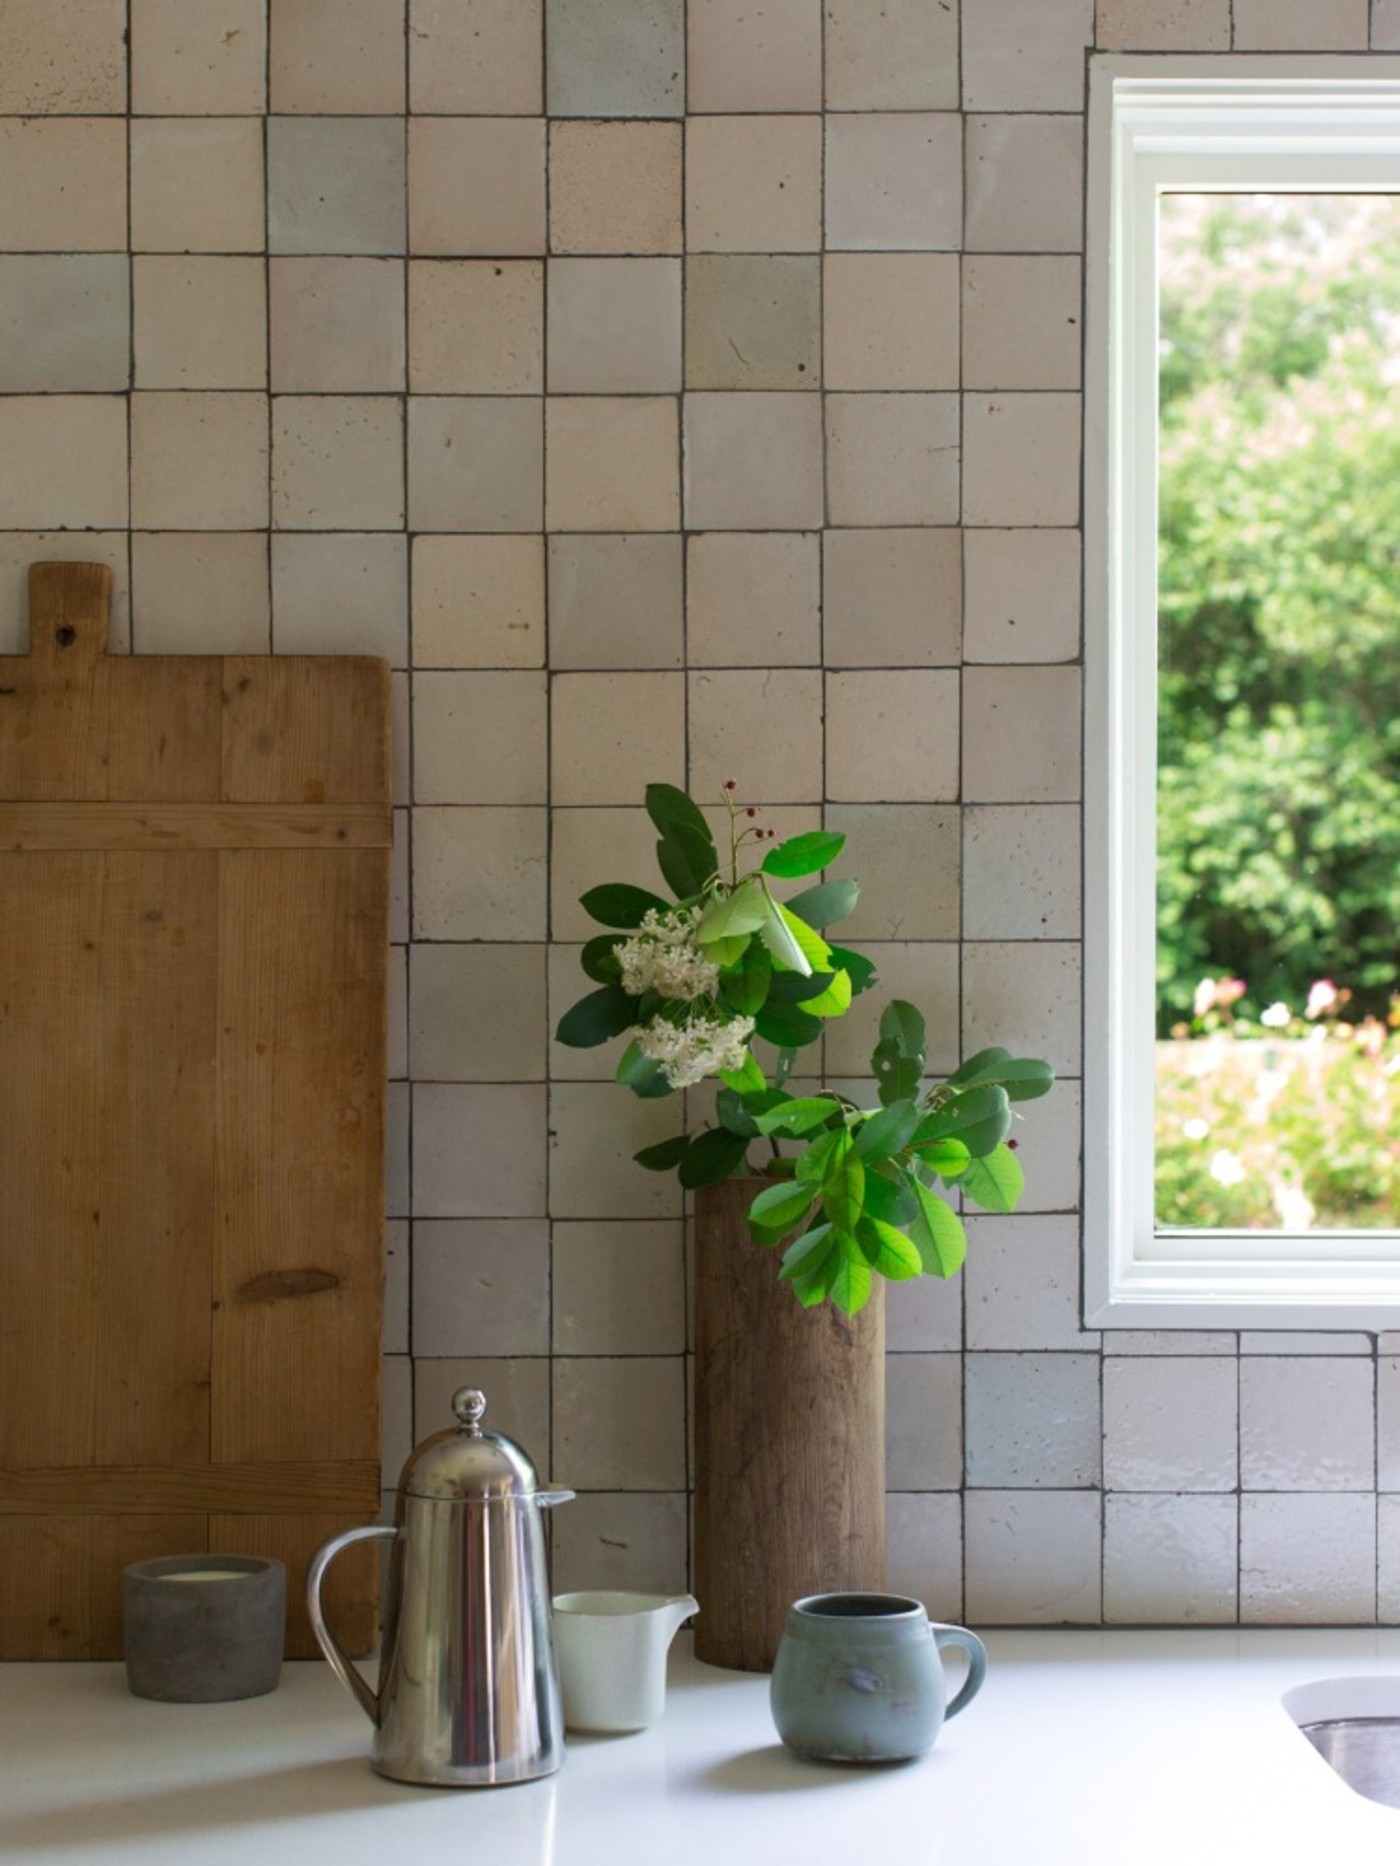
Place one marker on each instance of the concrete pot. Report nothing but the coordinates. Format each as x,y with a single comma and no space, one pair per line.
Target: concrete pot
201,1629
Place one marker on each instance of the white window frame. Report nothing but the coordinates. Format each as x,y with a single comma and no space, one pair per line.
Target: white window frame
1296,123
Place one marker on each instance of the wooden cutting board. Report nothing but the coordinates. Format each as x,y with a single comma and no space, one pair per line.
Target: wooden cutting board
194,874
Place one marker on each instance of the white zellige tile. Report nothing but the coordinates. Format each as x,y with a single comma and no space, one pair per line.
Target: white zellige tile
1307,1423
634,1540
1307,1560
480,1286
1170,1424
1033,1557
1171,1560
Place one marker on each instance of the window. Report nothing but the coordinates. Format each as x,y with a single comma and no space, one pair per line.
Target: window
1183,127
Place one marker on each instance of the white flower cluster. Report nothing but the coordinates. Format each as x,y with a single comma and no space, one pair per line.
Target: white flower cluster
663,956
691,1051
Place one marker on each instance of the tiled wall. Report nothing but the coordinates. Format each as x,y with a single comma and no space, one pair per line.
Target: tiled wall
673,392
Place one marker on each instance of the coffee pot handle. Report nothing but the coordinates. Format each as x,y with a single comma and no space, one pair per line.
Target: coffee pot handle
348,1674
976,1661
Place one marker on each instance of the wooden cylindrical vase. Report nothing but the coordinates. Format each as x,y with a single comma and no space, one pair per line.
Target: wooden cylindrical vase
789,1440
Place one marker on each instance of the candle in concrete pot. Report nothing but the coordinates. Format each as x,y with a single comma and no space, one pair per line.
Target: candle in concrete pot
205,1644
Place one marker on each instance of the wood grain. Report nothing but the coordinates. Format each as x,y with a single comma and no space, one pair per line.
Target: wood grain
194,874
789,1440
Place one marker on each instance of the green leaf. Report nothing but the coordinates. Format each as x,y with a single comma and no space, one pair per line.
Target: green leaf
778,937
670,809
937,1233
746,988
979,1117
888,1251
843,1185
602,1014
1025,1078
887,1197
794,988
851,1286
712,1156
813,947
805,1253
947,1158
641,1074
749,1080
664,1155
859,969
815,1158
889,1130
734,1115
803,855
729,949
618,904
787,1025
800,1116
599,959
898,1058
996,1181
727,915
780,1207
827,902
834,1000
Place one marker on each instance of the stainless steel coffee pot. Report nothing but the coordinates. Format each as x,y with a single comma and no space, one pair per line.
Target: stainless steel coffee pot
468,1683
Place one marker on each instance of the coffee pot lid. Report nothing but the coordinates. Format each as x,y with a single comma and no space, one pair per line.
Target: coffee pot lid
466,1462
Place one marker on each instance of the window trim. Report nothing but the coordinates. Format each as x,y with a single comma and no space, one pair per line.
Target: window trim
1307,124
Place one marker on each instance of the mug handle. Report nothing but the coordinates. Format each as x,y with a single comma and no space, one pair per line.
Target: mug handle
976,1661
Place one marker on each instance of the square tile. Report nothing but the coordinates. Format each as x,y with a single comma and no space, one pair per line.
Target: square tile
480,1286
1021,728
891,55
923,1413
893,459
614,326
199,323
200,592
476,57
923,973
1023,595
763,730
1021,459
1025,54
337,325
1024,184
620,1424
614,187
517,1388
615,600
337,463
479,1149
1151,26
1022,322
892,737
589,847
595,1128
753,599
65,58
62,184
480,737
891,321
199,461
1171,1424
887,844
476,326
633,1541
64,323
20,549
1307,1423
477,1013
746,58
613,734
753,462
480,873
603,60
1023,1283
197,185
330,58
619,1288
1022,871
1385,25
340,593
1307,1560
892,597
335,185
1051,1137
753,321
1032,1421
753,184
923,1545
926,1316
894,180
503,213
1300,25
1033,1559
478,601
611,463
475,463
1170,1561
1025,996
200,61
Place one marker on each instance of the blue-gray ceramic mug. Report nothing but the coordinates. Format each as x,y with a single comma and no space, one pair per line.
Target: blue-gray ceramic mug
859,1677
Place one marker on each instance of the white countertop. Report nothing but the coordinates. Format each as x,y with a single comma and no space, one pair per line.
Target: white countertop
1085,1747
